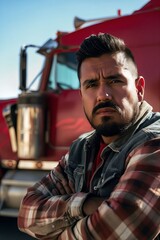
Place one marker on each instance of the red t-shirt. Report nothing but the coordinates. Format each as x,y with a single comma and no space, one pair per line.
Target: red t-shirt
96,163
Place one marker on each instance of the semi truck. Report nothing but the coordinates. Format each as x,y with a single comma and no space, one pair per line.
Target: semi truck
37,127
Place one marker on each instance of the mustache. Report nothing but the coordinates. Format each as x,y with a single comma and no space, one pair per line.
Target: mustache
104,105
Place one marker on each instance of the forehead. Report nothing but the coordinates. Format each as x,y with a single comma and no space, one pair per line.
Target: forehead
106,62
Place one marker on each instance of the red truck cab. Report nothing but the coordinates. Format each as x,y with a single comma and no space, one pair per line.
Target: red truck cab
38,127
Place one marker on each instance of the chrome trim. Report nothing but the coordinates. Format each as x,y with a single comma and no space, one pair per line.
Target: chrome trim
32,164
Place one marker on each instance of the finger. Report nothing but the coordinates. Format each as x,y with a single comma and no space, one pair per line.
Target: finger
61,183
66,186
61,188
71,184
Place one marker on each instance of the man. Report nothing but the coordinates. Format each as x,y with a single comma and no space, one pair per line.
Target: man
108,185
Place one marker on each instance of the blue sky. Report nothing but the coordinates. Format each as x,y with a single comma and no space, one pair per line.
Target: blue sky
25,22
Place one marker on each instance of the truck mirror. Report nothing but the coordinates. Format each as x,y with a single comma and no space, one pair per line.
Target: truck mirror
23,69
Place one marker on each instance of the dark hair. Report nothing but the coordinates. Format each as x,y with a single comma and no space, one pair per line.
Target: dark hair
97,45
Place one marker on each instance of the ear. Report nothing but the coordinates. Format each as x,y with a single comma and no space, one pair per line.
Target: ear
140,85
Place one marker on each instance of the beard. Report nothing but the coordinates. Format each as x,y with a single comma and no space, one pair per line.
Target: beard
109,127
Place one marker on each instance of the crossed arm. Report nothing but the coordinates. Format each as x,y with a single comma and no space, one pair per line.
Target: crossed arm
52,210
51,205
90,205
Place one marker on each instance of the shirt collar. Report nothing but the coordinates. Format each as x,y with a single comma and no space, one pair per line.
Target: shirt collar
116,146
144,113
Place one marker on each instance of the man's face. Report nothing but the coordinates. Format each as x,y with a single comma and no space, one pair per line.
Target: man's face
110,93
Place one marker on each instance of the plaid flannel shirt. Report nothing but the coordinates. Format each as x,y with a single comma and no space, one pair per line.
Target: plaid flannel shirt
132,211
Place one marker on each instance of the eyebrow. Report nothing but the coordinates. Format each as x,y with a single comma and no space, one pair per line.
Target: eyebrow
88,81
111,77
114,76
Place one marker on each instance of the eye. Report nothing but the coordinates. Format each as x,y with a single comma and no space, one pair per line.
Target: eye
91,84
115,81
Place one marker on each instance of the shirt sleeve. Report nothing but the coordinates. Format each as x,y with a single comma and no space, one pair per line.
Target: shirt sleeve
133,209
45,213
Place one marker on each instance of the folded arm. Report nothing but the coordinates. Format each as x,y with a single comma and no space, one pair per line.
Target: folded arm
51,209
133,209
47,207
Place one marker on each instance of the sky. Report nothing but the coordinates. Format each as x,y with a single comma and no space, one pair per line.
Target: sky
25,22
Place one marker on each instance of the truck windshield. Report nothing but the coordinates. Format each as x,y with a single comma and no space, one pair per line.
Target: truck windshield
63,73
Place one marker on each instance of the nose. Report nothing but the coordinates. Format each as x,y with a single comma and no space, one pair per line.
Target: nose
103,94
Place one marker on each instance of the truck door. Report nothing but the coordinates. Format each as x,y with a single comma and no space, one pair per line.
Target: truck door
66,117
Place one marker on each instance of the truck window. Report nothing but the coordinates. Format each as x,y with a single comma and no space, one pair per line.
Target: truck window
63,73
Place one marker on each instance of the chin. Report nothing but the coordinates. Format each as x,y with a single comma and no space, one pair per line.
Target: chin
110,129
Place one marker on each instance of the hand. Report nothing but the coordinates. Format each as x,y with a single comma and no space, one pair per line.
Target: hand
91,204
61,181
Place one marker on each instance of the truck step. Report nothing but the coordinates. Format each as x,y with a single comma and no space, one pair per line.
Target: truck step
9,212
